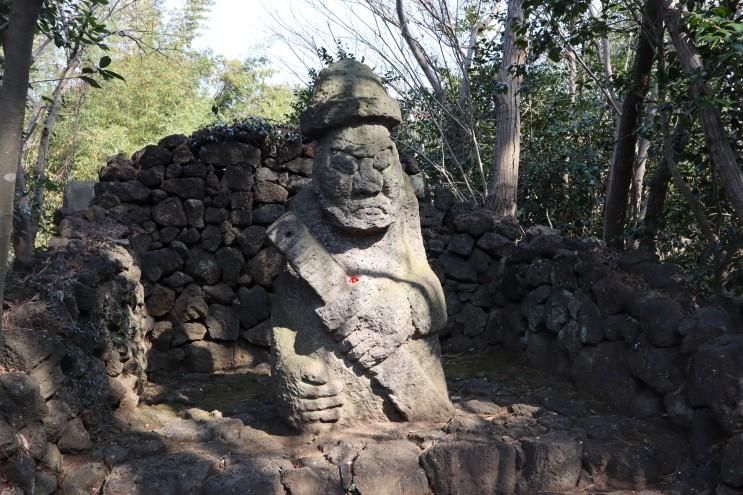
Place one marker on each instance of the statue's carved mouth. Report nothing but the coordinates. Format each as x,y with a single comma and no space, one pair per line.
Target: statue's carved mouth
366,207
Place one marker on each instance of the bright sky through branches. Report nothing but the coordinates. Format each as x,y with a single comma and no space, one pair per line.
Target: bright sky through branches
240,29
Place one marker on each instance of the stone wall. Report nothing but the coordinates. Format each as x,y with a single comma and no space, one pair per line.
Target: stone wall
72,353
621,326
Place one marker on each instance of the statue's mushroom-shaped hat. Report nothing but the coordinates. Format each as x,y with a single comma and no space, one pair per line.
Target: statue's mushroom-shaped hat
348,93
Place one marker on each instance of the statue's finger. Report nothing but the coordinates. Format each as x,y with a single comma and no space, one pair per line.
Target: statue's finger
309,391
353,341
324,416
314,372
314,378
361,349
308,405
346,329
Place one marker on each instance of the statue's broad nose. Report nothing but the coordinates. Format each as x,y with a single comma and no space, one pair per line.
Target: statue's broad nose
367,181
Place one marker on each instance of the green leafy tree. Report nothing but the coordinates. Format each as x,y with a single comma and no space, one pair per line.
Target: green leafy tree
244,91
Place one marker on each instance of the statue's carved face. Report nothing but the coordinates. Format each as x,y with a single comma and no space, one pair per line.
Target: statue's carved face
358,177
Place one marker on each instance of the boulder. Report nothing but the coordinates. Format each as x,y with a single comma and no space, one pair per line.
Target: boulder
222,323
248,475
85,479
160,300
173,473
169,212
131,191
260,334
591,323
539,272
659,317
265,266
152,177
220,293
241,200
173,141
203,266
211,238
611,295
268,214
494,243
153,156
390,468
24,348
602,370
8,440
732,461
251,240
182,154
190,305
552,462
21,401
231,154
716,380
237,179
231,261
255,305
300,165
461,244
622,326
475,222
660,368
457,268
186,188
194,169
215,215
75,438
268,192
469,466
194,210
188,332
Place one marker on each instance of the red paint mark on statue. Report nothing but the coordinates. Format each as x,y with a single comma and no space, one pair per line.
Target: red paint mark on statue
354,279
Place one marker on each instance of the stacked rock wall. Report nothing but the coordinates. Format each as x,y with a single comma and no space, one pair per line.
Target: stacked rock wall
72,351
621,326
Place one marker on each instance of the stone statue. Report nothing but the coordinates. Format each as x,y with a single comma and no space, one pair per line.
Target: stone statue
356,313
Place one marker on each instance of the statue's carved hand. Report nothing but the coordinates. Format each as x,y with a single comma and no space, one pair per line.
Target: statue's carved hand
316,397
370,336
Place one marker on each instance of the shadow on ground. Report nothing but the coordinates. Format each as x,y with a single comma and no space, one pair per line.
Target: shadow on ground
516,430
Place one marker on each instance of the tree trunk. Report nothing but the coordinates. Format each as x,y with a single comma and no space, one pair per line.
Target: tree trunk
638,169
721,152
17,47
658,189
29,212
504,182
696,207
620,175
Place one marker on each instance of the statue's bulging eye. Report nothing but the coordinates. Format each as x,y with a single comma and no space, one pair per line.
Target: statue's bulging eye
382,160
343,163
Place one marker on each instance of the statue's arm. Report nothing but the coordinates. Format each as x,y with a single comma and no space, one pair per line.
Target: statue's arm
307,396
428,309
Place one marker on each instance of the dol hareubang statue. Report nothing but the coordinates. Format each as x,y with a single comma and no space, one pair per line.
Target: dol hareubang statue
356,314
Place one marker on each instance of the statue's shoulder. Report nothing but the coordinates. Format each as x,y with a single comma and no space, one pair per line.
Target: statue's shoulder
306,207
